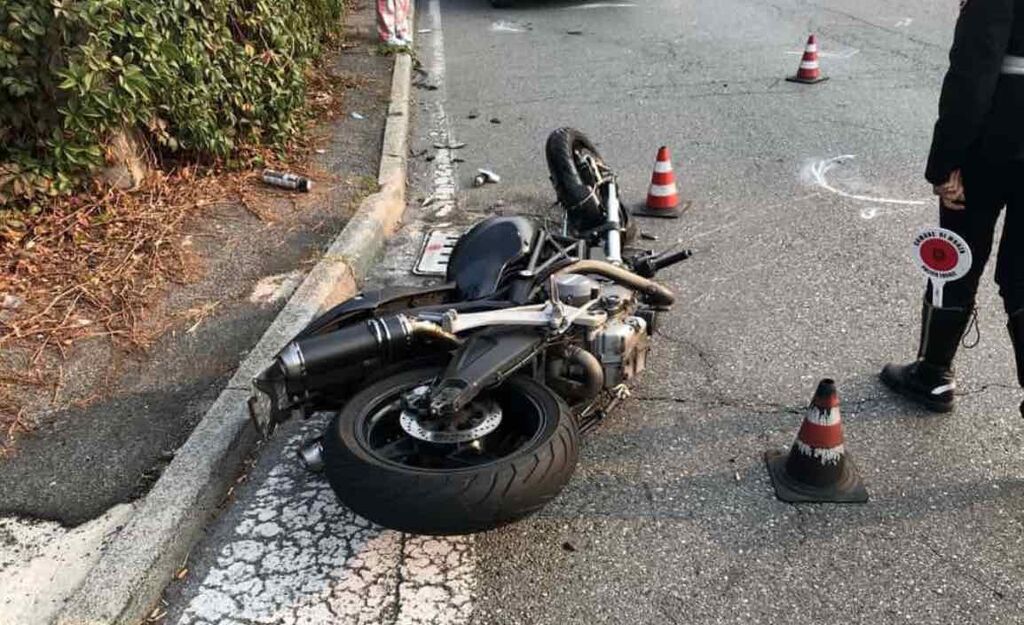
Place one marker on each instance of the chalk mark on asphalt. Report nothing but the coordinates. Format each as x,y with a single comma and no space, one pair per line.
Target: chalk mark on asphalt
816,172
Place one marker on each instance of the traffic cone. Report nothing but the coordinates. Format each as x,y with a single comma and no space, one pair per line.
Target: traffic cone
817,469
663,195
810,71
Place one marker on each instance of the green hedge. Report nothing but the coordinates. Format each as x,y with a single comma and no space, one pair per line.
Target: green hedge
199,76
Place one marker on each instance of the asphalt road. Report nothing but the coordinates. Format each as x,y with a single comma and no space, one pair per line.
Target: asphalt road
802,272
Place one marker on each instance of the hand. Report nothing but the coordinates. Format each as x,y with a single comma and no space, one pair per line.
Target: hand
951,194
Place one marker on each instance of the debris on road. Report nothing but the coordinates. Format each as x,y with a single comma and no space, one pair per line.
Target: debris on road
495,120
421,81
454,145
574,32
355,115
485,176
287,180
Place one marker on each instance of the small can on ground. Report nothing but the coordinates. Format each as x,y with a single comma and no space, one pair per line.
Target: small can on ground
287,180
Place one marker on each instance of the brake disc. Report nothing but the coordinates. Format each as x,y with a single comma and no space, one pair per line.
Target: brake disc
484,416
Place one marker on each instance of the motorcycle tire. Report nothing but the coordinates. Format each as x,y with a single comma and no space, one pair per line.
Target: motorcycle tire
574,193
409,497
572,188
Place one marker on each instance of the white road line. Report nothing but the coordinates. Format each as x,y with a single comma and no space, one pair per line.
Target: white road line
816,172
444,177
299,557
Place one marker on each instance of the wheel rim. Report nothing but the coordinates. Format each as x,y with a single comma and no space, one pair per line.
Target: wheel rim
380,433
580,158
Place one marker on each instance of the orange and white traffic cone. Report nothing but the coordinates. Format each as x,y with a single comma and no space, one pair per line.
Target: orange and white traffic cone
663,194
817,468
810,70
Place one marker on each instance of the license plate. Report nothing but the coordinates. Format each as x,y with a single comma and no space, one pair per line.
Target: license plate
437,248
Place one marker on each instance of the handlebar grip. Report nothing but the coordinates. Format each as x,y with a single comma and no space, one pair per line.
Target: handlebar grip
664,261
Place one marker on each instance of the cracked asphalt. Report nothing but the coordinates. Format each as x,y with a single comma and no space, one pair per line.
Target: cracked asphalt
797,276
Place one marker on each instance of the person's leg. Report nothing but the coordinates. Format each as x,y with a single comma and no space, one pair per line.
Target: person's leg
1010,268
386,20
930,379
402,23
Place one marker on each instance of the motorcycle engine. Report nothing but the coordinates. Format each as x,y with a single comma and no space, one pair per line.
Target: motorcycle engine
622,342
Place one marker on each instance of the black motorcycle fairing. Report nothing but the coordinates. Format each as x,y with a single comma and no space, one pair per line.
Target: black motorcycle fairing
369,303
484,360
482,255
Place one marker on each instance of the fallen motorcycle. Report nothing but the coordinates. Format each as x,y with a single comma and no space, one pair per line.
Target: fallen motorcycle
459,408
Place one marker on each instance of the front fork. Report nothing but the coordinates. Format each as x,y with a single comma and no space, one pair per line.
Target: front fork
613,238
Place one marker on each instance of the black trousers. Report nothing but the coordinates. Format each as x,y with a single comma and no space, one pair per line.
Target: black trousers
989,186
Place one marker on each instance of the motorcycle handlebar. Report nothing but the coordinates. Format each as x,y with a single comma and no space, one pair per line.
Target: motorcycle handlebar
665,261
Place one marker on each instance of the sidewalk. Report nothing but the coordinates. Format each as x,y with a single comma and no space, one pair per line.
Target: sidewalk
73,485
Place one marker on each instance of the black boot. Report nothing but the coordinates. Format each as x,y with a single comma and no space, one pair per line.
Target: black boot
1016,327
929,380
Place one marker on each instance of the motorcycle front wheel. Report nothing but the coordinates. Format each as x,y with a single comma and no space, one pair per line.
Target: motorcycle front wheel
396,480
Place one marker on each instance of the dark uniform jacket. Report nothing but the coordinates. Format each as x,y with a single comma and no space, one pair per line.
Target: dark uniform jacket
981,110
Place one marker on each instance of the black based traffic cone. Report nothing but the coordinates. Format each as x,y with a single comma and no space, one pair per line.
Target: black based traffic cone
817,468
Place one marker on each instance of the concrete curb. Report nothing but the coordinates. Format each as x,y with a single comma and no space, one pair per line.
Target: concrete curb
140,561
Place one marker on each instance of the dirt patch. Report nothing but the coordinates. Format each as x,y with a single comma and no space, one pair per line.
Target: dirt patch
113,350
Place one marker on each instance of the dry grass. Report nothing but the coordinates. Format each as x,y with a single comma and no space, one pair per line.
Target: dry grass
92,265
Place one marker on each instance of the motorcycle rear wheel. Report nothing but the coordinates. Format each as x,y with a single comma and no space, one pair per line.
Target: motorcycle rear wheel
400,482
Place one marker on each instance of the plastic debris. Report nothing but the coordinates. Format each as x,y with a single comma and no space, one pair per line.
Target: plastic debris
485,176
355,115
286,180
454,145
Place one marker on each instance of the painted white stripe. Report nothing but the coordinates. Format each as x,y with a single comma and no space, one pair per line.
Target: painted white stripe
299,557
831,455
812,48
939,390
662,167
809,65
662,190
444,175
